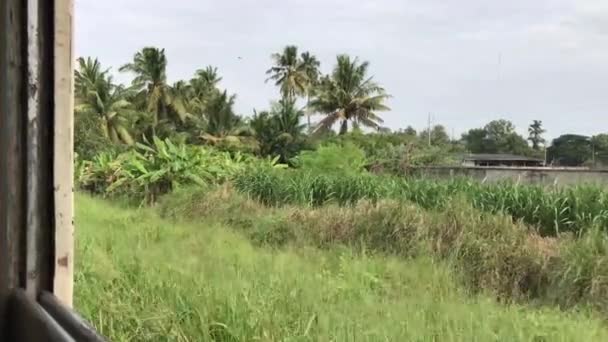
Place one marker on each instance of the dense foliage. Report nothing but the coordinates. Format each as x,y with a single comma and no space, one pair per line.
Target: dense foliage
150,170
550,210
110,116
279,132
498,136
343,159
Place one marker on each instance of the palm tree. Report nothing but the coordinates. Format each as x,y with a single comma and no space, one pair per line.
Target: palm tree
149,65
220,119
279,132
107,102
203,88
87,76
348,94
180,97
288,118
536,132
288,73
205,79
311,68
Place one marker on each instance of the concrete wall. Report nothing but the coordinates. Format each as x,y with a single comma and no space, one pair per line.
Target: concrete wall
540,176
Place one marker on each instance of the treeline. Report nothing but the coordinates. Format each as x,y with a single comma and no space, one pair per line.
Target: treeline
499,136
198,111
112,116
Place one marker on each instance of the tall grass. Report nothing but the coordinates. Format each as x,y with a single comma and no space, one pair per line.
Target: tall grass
550,210
490,252
141,278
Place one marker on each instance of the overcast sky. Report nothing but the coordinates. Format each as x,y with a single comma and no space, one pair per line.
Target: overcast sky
431,55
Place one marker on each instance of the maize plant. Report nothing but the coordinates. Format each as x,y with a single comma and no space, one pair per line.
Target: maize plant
549,210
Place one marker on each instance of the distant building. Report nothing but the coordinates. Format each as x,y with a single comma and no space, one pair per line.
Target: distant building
505,160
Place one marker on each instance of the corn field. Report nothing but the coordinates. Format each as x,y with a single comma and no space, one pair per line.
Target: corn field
549,210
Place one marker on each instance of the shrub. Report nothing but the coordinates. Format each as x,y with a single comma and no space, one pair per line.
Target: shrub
396,152
88,136
149,171
96,174
580,274
387,226
493,252
398,160
347,158
191,204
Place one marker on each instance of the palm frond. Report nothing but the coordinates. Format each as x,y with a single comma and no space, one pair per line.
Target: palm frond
348,94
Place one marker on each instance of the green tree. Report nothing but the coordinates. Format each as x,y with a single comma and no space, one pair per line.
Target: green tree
180,96
475,141
279,131
220,119
206,79
409,130
205,82
536,132
348,94
497,136
439,136
203,89
515,144
108,102
149,66
600,142
311,68
498,133
600,149
222,127
570,150
89,139
289,73
87,77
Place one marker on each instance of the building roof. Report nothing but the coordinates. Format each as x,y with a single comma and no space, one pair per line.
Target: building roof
499,157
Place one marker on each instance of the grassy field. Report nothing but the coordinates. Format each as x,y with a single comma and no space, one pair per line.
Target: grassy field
143,278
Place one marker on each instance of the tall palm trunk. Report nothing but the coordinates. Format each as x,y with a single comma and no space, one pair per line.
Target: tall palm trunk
344,127
308,112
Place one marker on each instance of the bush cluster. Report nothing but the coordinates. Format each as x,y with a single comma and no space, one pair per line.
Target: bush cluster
149,171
